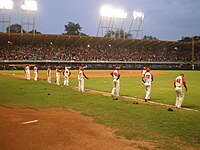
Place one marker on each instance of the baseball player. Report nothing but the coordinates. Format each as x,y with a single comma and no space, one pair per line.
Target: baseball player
81,76
143,71
179,84
66,74
58,73
27,72
147,79
116,82
49,74
35,72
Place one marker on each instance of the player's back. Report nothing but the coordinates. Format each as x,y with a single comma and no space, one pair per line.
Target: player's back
179,81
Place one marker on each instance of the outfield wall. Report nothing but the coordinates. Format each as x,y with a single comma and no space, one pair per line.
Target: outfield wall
126,65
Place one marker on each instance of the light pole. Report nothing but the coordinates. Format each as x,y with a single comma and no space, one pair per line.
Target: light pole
106,19
136,24
6,5
29,6
193,45
118,24
112,20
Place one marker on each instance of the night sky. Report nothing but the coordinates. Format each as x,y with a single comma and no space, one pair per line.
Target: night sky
163,19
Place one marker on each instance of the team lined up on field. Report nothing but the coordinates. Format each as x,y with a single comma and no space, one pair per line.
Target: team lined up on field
147,79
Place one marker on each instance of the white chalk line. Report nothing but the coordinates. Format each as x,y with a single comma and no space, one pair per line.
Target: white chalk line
151,102
28,122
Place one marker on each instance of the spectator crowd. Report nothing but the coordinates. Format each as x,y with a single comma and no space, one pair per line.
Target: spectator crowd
95,53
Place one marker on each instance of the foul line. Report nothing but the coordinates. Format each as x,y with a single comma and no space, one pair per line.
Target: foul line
151,102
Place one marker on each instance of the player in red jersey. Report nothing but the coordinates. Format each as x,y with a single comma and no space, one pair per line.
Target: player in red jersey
116,82
27,72
179,84
143,71
35,72
58,73
66,74
49,74
81,75
147,79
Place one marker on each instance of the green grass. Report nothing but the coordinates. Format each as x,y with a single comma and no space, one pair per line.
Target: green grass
162,87
168,130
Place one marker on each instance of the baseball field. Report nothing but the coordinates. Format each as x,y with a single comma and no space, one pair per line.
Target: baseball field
38,115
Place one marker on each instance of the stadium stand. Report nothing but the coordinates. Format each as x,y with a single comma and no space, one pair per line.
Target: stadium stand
96,52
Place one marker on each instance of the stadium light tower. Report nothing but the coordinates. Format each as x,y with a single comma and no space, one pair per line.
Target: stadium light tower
106,19
28,7
118,23
136,26
6,7
111,22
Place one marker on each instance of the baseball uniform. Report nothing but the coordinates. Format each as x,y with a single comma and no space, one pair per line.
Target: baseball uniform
49,74
58,73
27,72
116,82
66,74
143,71
147,80
35,73
81,76
179,84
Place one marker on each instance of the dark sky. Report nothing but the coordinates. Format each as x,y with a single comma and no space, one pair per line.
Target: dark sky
163,19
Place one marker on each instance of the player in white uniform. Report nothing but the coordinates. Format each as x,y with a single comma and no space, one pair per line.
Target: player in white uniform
81,76
27,72
58,73
35,72
143,71
147,80
116,82
179,84
49,74
66,75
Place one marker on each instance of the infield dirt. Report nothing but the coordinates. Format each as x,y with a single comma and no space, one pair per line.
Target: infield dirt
58,129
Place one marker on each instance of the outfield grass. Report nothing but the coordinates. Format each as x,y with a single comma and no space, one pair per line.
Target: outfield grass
168,130
162,87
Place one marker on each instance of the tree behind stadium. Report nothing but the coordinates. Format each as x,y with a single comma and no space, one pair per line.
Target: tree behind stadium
73,29
117,34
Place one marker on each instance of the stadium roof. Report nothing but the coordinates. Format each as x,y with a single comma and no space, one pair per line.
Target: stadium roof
26,38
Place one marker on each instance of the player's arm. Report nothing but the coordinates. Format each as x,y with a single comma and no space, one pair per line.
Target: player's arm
151,78
185,86
143,80
184,83
118,76
111,74
174,83
85,76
